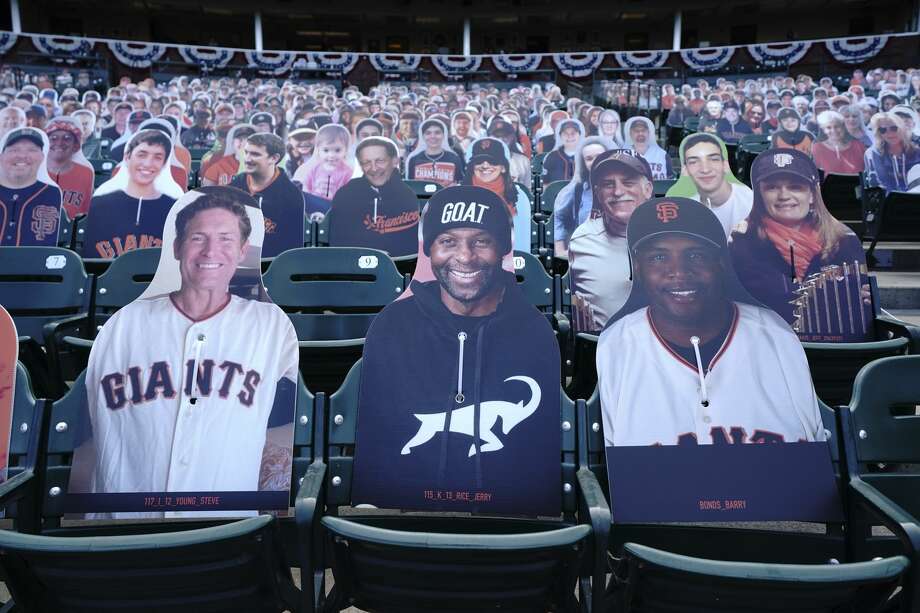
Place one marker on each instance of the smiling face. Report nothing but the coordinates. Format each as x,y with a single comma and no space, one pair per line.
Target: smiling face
145,162
833,130
487,171
20,161
331,153
638,132
569,136
789,124
62,146
210,250
466,262
787,199
462,127
589,153
682,277
706,166
257,161
377,164
617,194
434,138
889,132
10,119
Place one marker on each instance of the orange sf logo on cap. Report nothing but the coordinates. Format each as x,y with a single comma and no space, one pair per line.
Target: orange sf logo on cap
667,211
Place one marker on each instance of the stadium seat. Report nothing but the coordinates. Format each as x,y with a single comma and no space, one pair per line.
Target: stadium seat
548,196
332,295
449,562
881,428
423,190
841,196
661,186
691,125
69,339
895,217
129,565
654,581
750,147
39,285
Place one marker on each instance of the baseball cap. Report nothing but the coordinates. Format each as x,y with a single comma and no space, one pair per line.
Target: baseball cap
36,110
500,126
784,161
730,104
488,150
466,206
262,118
138,117
674,215
787,112
620,158
30,134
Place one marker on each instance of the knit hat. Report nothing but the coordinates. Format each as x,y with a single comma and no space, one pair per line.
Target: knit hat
466,206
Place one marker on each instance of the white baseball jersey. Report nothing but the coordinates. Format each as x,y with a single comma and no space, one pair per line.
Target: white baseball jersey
758,386
156,431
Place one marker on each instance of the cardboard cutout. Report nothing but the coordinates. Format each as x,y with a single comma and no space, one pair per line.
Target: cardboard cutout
797,259
790,133
9,352
67,165
559,164
599,271
836,151
198,417
30,201
376,210
328,169
640,137
130,208
443,365
281,201
575,201
433,159
692,359
705,176
488,165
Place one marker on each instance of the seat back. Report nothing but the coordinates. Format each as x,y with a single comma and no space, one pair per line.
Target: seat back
423,190
782,543
900,218
662,186
548,196
413,562
533,280
237,566
124,281
659,582
841,195
834,366
41,284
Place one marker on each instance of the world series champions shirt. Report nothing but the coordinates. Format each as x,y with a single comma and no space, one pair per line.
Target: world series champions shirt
30,215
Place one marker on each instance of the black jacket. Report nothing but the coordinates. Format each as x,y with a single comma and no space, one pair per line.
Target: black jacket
411,375
283,209
384,218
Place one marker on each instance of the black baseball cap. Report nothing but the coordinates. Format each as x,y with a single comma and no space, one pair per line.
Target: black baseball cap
784,161
139,117
262,118
30,134
488,150
730,104
466,206
674,215
500,126
788,112
620,158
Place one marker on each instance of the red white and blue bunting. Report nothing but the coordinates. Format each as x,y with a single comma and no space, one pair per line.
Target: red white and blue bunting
641,59
577,65
517,63
271,62
62,45
707,59
856,50
783,54
394,63
332,62
208,58
136,55
456,65
7,41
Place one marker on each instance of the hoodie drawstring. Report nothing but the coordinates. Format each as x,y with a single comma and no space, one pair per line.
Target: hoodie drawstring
704,395
462,338
137,217
199,343
458,398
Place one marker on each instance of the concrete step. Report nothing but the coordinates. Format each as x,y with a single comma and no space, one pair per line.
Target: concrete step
899,290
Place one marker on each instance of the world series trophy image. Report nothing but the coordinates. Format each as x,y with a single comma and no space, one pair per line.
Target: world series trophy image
829,304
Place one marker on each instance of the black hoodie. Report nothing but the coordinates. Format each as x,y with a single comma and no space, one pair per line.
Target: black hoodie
384,218
410,377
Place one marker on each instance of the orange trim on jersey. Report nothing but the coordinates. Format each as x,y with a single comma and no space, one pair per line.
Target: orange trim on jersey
172,299
680,358
249,182
21,209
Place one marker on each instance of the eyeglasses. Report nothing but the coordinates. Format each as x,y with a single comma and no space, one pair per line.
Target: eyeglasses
883,129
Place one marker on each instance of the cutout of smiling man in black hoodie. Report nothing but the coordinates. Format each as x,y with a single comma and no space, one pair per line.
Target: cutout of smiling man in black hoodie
445,365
